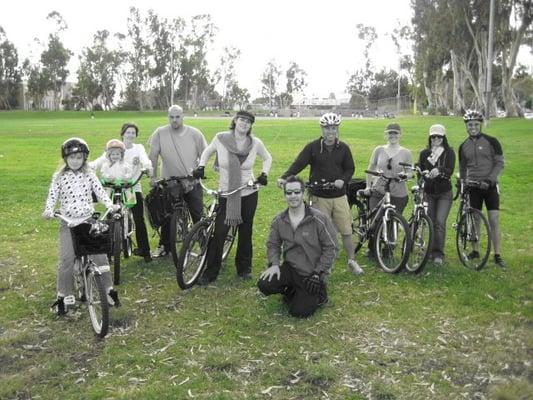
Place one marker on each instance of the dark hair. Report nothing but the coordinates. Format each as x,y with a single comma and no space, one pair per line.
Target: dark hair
444,143
129,125
242,114
294,178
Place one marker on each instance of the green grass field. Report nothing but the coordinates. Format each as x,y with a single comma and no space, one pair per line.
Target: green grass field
448,333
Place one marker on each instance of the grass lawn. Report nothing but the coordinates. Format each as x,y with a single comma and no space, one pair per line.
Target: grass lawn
445,334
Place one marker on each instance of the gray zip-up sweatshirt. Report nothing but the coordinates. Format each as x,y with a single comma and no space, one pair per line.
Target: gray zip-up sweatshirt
310,248
481,158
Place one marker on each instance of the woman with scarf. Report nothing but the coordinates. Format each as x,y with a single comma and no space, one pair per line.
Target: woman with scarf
439,159
236,151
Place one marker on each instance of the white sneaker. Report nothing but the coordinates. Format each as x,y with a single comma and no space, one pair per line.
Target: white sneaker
354,267
438,261
159,252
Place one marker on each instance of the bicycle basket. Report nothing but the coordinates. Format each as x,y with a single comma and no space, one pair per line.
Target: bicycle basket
353,187
93,238
158,206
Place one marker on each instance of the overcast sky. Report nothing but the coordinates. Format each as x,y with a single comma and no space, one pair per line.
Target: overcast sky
319,36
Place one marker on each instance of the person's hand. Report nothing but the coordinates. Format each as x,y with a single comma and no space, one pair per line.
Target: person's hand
199,173
339,183
47,214
484,185
114,208
153,182
313,283
271,272
262,179
367,191
402,175
281,182
433,173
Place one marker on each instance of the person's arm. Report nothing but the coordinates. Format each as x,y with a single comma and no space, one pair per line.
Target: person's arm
53,195
327,235
372,165
274,243
498,160
348,166
155,149
99,191
265,156
302,161
408,158
462,162
208,152
97,164
144,160
449,163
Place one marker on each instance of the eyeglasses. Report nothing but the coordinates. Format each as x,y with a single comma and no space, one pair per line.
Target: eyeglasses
435,137
289,192
389,164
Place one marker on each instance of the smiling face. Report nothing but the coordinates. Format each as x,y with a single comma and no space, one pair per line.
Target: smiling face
294,194
75,161
330,133
393,137
129,135
473,128
115,155
436,140
242,125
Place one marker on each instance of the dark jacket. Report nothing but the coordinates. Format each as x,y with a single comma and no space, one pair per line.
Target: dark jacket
325,166
445,165
481,158
311,248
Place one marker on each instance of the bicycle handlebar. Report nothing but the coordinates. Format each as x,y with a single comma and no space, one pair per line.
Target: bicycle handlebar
250,184
382,175
321,185
119,184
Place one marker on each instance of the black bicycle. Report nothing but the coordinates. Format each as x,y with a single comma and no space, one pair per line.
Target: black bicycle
473,235
420,225
388,228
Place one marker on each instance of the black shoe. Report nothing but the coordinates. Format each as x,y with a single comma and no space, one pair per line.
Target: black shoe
113,294
473,254
60,306
246,276
148,258
203,281
323,296
288,295
498,260
137,252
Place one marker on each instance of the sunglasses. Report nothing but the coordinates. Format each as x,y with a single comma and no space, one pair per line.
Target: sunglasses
435,137
289,192
389,164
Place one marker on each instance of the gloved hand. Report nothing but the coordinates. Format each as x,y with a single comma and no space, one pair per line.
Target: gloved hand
281,182
198,173
402,175
484,185
313,283
262,179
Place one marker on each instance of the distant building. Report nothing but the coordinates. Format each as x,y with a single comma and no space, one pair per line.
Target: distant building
27,103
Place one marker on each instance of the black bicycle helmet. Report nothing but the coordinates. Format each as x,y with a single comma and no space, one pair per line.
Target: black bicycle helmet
74,145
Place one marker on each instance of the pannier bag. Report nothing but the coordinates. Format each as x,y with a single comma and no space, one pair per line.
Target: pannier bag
158,206
353,187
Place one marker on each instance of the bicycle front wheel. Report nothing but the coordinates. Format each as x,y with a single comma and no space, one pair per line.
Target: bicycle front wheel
129,228
179,226
193,255
117,249
473,239
228,242
421,230
393,242
358,225
97,304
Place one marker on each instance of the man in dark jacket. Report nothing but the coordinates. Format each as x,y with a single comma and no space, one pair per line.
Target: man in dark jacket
481,159
301,249
330,162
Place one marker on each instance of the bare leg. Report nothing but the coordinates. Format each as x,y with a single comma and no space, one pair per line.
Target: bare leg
494,222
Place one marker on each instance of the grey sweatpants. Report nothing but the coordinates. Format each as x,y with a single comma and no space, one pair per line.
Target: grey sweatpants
65,268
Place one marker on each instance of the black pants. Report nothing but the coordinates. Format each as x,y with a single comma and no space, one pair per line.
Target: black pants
140,226
290,283
243,258
195,202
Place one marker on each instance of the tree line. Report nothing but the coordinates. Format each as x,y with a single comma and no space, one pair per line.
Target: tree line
441,63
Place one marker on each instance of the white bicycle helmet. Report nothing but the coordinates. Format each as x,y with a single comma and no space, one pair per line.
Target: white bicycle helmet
472,115
329,119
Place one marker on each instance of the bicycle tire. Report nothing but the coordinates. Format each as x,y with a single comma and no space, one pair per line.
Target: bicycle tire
385,250
421,231
191,261
228,242
117,250
467,234
358,225
129,228
97,304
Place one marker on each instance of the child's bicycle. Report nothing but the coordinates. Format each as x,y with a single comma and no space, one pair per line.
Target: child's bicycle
193,254
390,230
124,227
473,236
91,236
420,225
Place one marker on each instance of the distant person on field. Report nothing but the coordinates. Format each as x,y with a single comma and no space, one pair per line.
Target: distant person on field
481,159
439,159
301,250
179,147
72,187
330,160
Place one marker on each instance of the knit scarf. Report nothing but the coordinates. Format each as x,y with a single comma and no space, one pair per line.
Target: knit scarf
235,157
435,154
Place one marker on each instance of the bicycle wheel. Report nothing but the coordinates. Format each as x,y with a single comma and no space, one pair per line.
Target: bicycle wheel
473,239
117,249
358,225
193,254
393,242
421,230
97,304
228,242
129,228
176,232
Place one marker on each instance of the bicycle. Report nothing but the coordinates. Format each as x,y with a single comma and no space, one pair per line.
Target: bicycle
91,236
386,225
192,259
473,235
323,185
124,228
420,225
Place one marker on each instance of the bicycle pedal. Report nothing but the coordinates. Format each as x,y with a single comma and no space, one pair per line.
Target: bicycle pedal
69,300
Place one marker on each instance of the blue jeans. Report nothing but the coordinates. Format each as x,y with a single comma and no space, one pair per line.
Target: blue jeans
438,209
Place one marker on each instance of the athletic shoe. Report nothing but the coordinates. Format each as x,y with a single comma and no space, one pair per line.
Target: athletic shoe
499,261
112,298
59,306
438,261
160,252
148,258
354,267
473,254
